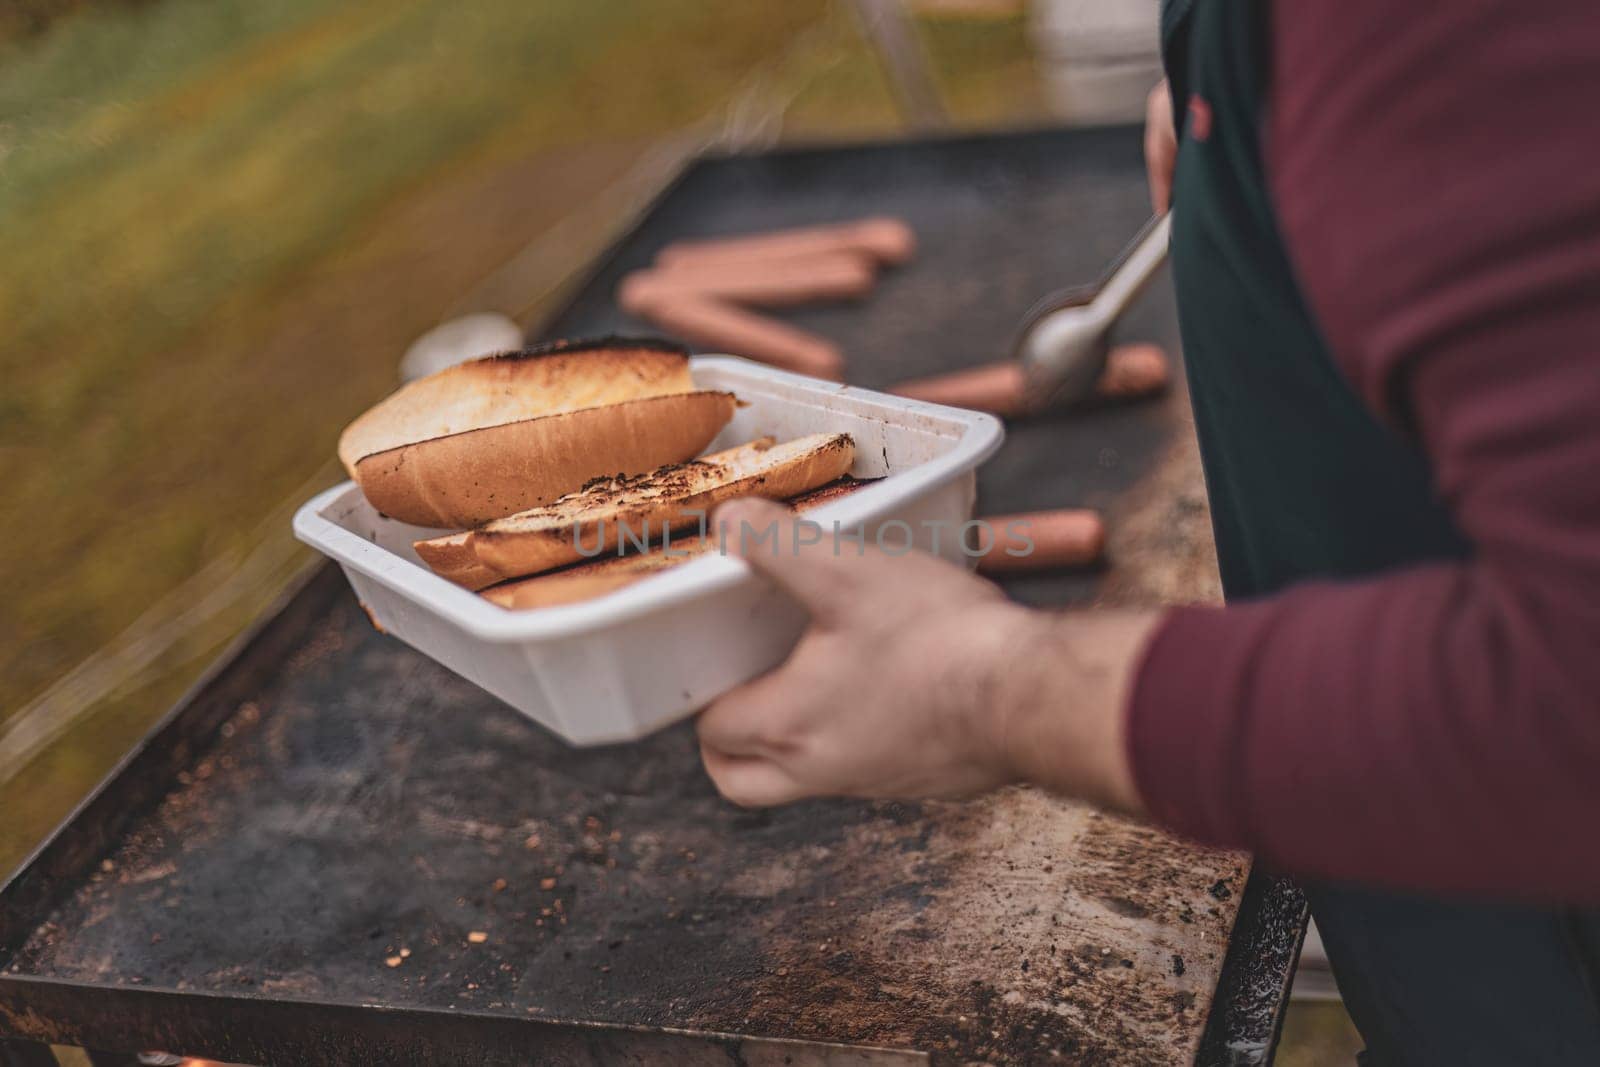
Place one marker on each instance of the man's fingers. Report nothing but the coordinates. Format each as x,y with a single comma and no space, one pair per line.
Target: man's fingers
739,723
749,781
1160,146
799,555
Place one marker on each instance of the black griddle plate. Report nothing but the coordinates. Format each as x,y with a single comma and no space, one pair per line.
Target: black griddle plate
329,800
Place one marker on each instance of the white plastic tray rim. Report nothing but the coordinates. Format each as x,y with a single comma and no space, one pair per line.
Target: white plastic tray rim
979,437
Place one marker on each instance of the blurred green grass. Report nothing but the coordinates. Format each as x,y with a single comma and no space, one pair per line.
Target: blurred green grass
1318,1033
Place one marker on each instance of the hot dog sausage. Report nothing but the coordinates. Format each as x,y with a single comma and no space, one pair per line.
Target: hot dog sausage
1039,540
886,240
1131,371
726,328
1134,371
765,283
997,388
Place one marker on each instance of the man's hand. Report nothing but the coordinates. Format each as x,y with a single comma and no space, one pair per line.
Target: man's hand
1160,146
916,679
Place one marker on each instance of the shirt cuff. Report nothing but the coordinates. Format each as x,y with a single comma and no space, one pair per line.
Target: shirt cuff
1184,731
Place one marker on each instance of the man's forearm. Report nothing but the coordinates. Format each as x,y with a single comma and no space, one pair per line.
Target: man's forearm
1062,699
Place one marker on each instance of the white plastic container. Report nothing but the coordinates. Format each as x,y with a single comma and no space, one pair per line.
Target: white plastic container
621,665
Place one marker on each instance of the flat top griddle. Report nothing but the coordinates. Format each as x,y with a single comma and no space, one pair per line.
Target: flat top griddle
296,865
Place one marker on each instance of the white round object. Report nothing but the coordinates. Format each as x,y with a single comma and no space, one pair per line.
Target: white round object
1098,58
459,340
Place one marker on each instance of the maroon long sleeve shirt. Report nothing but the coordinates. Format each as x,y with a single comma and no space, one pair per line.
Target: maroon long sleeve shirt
1435,170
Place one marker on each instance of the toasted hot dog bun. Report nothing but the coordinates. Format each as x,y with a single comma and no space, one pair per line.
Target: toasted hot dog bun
640,506
453,557
478,475
670,498
584,581
495,436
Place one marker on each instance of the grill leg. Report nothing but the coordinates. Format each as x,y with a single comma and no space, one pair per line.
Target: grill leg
15,1053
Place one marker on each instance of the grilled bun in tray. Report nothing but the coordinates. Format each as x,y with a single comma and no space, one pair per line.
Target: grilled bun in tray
532,454
494,436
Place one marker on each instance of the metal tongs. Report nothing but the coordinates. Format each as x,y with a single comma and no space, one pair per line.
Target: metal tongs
1064,340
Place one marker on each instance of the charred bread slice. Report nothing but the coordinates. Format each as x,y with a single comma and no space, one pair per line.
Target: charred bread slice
584,581
642,506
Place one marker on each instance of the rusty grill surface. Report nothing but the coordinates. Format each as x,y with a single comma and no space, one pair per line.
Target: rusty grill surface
340,852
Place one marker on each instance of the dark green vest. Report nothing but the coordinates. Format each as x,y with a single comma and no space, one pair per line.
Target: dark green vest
1304,481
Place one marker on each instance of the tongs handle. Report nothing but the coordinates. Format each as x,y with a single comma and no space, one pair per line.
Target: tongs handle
1122,281
1134,268
1064,340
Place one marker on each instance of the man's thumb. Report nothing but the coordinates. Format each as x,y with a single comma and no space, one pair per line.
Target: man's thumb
797,554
